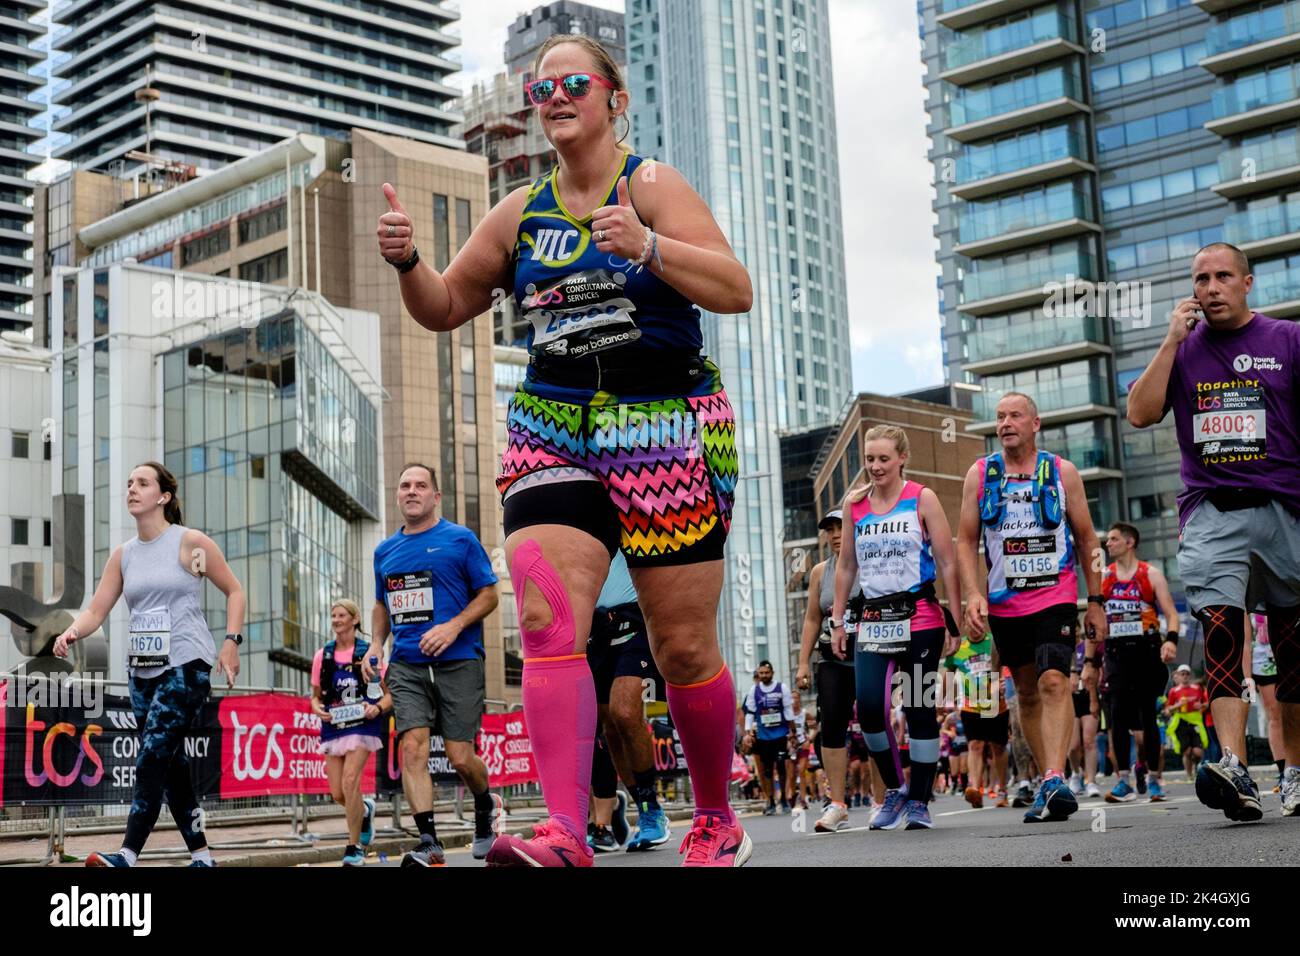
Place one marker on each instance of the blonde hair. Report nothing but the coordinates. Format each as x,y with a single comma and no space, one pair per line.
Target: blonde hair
352,608
901,445
605,66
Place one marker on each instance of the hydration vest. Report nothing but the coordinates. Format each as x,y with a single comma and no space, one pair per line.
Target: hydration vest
328,692
1047,499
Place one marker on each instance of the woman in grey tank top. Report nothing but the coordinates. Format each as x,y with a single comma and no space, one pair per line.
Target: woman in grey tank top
835,679
169,651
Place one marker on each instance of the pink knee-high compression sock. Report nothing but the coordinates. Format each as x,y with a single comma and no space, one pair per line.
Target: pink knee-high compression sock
559,696
705,717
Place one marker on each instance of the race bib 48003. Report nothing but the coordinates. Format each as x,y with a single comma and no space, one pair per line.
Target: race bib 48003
1229,421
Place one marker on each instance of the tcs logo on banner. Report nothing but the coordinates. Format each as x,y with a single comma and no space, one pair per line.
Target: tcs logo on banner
257,754
66,734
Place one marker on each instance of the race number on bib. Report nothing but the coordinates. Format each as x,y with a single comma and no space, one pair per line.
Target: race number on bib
149,642
1031,562
772,719
1230,421
410,597
346,715
885,630
1126,628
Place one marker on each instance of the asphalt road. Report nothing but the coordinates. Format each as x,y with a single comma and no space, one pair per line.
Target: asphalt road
1178,832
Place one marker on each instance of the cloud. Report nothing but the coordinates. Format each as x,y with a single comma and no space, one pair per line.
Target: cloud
886,194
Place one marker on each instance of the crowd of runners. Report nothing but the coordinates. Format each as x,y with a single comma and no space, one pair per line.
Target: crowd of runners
615,541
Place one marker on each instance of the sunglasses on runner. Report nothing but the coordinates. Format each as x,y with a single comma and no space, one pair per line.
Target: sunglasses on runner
576,86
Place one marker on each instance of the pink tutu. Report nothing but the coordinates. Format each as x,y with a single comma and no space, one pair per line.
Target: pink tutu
348,743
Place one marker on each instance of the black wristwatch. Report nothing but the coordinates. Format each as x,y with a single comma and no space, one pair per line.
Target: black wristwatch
406,265
1171,637
237,638
1095,661
1097,599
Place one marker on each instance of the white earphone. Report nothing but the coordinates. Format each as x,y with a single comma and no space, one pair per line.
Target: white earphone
161,500
613,101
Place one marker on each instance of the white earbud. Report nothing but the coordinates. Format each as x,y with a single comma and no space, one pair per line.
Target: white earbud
161,500
613,101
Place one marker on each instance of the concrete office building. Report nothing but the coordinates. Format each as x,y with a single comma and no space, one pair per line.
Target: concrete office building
241,222
530,30
26,446
747,95
1098,145
265,404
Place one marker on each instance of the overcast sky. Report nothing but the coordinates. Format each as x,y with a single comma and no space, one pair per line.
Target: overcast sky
889,243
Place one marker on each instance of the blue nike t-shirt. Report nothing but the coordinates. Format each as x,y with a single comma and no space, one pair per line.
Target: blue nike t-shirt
426,579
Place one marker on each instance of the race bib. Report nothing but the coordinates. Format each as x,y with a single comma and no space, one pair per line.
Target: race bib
1031,562
347,715
1126,628
584,313
885,630
980,665
410,598
149,641
771,719
1230,421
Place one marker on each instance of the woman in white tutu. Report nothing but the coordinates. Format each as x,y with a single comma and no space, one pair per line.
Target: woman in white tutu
352,722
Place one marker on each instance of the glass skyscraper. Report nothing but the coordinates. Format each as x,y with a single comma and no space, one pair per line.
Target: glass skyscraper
739,97
1091,142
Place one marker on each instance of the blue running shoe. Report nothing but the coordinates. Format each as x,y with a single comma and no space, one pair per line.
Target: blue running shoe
107,859
1061,801
652,830
1156,789
1122,792
890,815
1054,801
368,822
203,863
917,815
354,858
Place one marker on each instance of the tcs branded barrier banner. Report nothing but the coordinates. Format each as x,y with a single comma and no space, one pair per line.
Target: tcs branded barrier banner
54,753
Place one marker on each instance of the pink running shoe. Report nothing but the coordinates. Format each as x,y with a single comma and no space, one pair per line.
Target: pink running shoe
551,845
713,842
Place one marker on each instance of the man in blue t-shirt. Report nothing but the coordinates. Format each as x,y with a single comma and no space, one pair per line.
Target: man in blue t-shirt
433,587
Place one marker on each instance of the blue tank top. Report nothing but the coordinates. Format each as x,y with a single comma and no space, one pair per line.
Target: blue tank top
581,302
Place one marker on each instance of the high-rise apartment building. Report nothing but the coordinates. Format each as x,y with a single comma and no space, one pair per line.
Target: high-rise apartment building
1084,151
20,107
746,95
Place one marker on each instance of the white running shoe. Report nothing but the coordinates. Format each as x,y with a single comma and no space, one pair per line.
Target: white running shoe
1076,784
1092,790
835,817
1291,793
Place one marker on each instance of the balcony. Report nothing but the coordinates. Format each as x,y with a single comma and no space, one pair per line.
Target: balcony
1255,37
1094,457
1259,167
1265,230
1001,288
1277,292
1218,6
1260,99
1019,163
982,53
1074,398
1059,211
1044,341
960,14
1026,101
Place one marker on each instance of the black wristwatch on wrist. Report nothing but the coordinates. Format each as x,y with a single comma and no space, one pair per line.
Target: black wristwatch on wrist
237,638
1097,599
406,265
1171,637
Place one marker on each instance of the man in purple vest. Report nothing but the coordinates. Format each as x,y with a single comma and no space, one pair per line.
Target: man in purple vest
1232,378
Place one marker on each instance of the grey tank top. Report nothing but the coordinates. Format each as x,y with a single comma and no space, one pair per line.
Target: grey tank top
154,581
826,601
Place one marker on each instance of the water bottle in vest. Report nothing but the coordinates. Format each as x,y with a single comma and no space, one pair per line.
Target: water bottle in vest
373,691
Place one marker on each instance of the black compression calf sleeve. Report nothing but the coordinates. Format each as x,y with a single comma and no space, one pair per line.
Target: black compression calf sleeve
604,778
1225,636
1284,636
